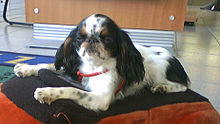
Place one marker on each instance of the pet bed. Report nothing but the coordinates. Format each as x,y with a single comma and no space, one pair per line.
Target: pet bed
17,105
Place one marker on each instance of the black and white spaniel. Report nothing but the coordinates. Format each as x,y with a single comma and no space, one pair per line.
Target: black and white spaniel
109,66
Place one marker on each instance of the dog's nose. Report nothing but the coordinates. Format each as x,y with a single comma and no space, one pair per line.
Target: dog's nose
92,40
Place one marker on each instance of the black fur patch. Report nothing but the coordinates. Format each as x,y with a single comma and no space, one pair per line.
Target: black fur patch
175,72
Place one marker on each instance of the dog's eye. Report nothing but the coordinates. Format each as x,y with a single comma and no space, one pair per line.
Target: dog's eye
108,39
79,39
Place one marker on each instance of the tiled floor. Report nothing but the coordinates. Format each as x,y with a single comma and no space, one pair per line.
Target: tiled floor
198,48
199,52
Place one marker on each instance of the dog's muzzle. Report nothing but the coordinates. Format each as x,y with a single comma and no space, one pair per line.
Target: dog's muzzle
93,45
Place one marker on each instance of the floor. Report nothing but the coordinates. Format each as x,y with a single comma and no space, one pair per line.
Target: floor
198,48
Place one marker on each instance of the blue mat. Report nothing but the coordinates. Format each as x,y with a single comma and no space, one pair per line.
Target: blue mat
11,59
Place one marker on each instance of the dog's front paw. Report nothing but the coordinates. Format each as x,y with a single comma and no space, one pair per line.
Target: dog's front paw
23,70
45,95
159,89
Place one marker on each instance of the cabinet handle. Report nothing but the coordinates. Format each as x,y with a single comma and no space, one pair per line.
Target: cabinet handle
172,18
36,10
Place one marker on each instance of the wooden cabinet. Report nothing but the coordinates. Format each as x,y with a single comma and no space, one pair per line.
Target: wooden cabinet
140,14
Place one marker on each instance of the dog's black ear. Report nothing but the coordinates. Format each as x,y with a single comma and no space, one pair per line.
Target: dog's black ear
63,52
59,58
67,56
129,60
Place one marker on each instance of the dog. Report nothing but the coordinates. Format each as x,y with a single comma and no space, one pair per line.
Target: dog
103,58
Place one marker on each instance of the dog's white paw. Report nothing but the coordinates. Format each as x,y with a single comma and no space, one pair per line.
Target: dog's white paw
23,70
45,95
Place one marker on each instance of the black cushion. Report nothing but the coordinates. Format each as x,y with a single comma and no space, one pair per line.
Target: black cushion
21,90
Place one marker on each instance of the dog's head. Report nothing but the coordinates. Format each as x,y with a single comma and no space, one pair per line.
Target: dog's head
97,37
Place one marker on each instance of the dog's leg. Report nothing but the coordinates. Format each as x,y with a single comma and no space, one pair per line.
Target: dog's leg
87,99
169,87
24,70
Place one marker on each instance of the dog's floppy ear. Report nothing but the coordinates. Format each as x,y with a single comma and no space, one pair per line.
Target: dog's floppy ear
59,58
67,56
129,60
62,53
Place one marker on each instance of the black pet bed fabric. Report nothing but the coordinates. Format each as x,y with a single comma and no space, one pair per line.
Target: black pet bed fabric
21,90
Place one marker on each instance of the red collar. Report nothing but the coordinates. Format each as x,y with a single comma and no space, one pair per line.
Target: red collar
80,74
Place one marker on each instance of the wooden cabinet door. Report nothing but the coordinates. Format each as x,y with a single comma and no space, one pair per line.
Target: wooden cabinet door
140,14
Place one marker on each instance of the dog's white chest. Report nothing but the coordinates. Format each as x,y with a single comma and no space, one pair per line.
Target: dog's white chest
97,84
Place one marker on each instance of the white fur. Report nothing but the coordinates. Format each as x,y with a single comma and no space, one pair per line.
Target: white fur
24,70
155,65
93,25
